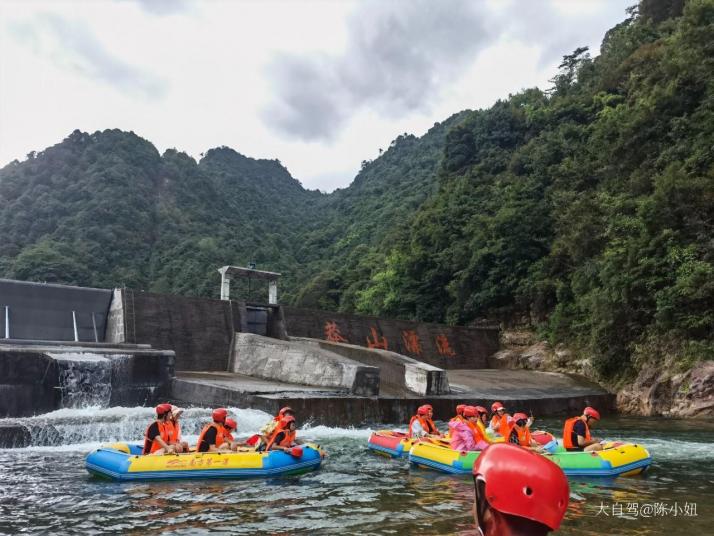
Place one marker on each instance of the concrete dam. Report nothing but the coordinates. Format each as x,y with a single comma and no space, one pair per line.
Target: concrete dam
64,346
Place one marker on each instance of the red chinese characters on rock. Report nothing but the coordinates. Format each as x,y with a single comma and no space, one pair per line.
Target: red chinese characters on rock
332,332
443,346
376,341
412,344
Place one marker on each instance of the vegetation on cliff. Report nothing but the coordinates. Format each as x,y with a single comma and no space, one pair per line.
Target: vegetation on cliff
586,210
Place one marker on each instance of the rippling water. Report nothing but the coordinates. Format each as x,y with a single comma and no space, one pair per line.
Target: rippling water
45,489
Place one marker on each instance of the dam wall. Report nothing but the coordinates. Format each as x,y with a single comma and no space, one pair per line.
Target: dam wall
446,347
39,378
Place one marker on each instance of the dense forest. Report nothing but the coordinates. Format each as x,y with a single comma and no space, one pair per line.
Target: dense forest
585,210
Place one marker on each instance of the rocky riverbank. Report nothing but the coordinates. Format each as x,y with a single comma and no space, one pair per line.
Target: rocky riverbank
659,388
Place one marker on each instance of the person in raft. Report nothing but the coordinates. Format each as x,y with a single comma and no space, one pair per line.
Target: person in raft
266,431
482,423
156,437
214,437
500,420
173,428
459,414
283,436
421,424
518,492
465,434
576,432
231,426
520,432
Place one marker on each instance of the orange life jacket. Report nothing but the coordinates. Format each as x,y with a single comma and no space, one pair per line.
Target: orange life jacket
524,435
426,423
568,433
286,441
173,430
500,424
475,430
220,434
151,446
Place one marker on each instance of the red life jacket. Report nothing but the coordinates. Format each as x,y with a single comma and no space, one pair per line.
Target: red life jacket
286,441
568,433
150,445
220,434
426,423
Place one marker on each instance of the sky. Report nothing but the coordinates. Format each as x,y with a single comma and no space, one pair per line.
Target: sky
319,85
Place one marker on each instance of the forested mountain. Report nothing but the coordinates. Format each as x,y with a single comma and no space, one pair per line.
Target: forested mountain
585,210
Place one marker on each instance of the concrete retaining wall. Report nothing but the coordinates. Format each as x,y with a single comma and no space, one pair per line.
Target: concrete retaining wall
198,330
301,363
443,346
397,373
38,379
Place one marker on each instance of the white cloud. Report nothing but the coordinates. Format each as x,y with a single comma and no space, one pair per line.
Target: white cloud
338,79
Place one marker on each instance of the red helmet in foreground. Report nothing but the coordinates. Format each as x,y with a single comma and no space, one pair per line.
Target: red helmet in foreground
591,412
521,483
220,414
424,410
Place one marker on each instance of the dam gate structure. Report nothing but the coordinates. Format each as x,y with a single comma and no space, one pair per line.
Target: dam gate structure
141,347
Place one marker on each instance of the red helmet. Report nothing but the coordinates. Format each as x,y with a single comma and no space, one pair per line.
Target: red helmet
496,406
286,409
470,411
481,409
460,409
591,412
424,410
520,416
220,414
163,409
521,483
285,421
230,424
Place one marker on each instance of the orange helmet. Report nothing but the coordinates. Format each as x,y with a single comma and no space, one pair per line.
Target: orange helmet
424,410
220,414
230,424
521,483
285,421
470,411
592,412
496,406
163,409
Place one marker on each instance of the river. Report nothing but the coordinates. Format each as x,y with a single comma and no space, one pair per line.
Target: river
44,488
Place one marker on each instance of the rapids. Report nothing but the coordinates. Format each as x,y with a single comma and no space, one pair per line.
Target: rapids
44,488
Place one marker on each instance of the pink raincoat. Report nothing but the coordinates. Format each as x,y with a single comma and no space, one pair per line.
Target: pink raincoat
462,438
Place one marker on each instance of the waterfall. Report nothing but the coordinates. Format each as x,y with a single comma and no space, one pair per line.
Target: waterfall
85,379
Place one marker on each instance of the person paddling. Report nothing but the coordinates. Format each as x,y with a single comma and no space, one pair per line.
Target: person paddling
576,432
156,437
213,437
421,424
518,492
